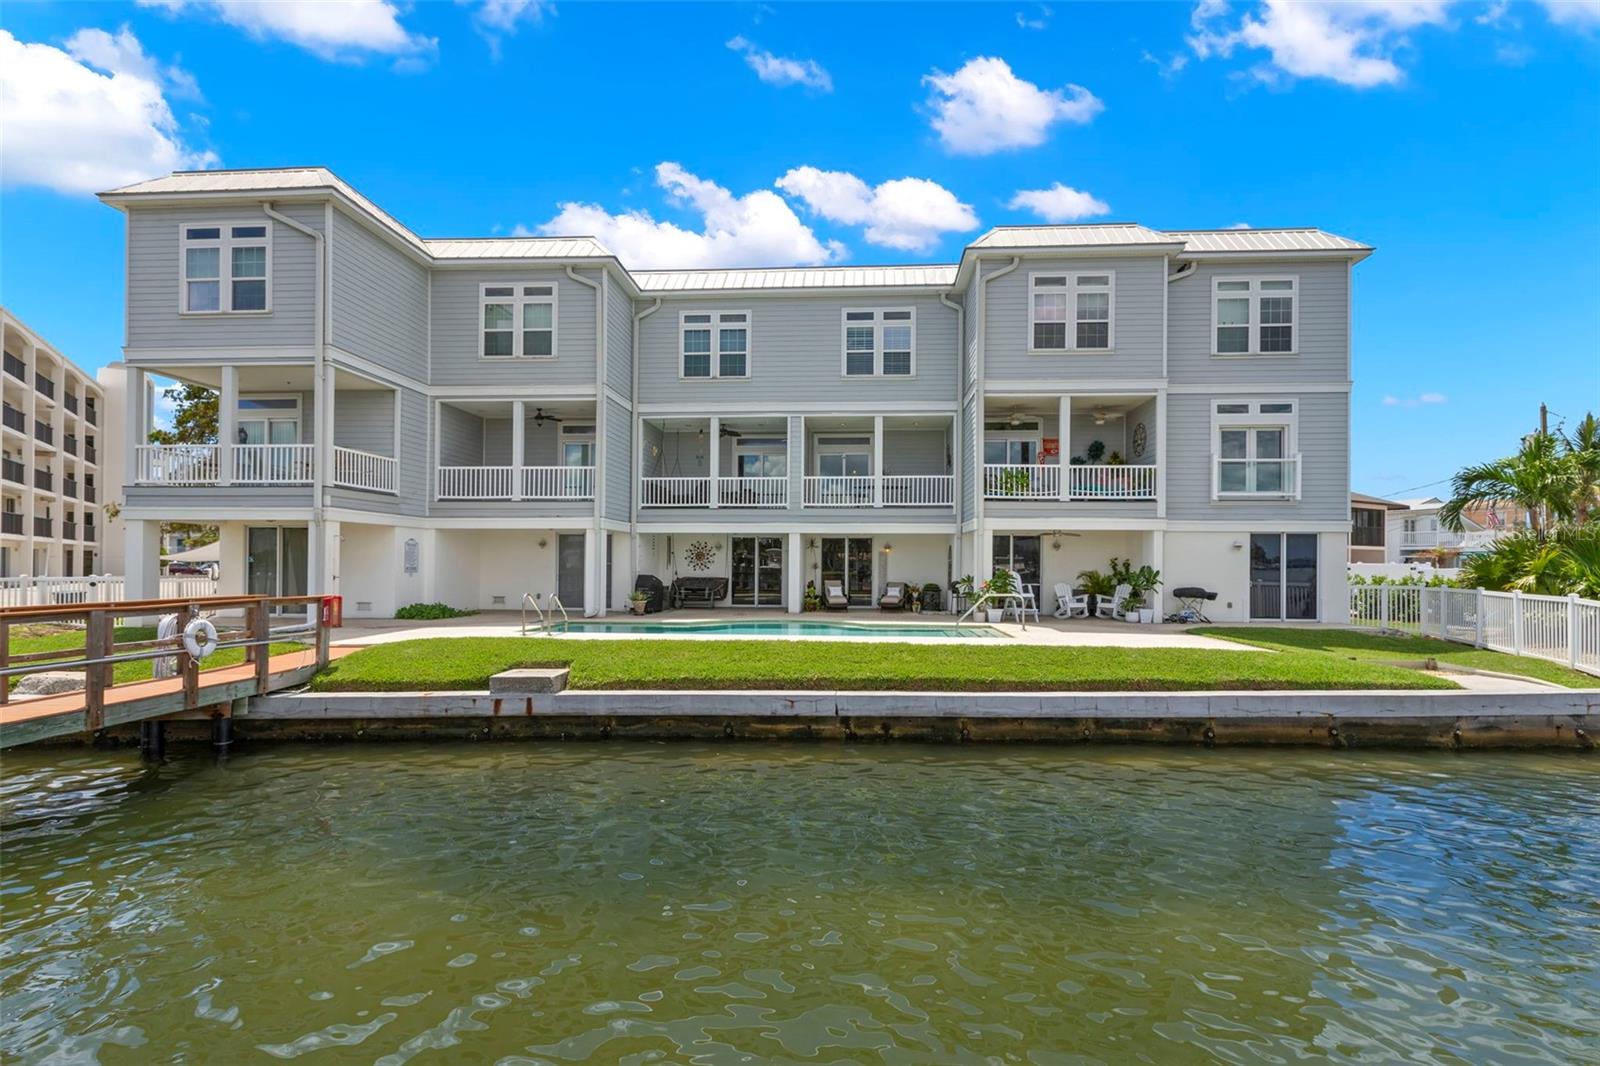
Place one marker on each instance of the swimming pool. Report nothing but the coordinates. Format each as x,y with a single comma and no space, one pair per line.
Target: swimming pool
791,629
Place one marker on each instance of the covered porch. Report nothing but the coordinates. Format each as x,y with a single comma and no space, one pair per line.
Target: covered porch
1092,448
515,450
879,461
715,461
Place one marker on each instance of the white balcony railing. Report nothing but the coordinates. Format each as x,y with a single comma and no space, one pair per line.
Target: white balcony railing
273,464
854,490
1469,540
475,482
356,469
175,464
1237,478
752,492
675,492
558,483
916,490
1122,482
1009,481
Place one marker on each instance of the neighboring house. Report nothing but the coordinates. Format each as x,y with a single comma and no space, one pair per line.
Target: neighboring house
1369,523
50,479
1415,533
406,419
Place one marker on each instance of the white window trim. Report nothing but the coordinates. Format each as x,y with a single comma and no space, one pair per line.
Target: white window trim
822,445
877,325
517,299
1252,419
277,415
715,326
1071,289
1254,298
225,244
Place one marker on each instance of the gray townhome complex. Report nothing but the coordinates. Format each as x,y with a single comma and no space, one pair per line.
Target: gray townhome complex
405,419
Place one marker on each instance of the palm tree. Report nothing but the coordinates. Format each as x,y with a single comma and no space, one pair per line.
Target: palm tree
1583,449
1541,477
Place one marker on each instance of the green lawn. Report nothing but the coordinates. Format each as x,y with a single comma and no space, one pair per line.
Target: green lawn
467,662
27,640
1371,647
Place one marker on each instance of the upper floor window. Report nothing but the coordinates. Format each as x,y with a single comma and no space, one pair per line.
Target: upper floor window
225,267
1253,442
880,343
1254,316
1071,312
714,344
518,322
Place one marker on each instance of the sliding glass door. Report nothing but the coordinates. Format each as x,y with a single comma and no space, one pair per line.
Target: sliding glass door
1283,577
277,561
849,560
757,571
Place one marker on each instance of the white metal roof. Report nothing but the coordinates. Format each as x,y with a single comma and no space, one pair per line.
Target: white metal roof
1265,240
1114,234
518,248
933,276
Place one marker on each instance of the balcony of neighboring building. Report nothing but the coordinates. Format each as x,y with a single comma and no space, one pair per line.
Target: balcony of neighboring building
515,456
1083,455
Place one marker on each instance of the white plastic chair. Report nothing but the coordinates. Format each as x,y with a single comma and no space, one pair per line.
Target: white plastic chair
1069,605
1022,601
1113,607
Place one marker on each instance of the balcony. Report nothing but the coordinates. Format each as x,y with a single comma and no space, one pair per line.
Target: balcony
273,464
90,414
69,530
1242,479
69,487
356,469
11,523
199,464
43,527
43,433
13,471
1467,540
88,452
16,367
45,386
88,492
43,480
89,534
14,419
536,483
69,444
1107,482
71,400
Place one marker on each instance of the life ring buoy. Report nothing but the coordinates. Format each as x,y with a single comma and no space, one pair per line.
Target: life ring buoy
199,638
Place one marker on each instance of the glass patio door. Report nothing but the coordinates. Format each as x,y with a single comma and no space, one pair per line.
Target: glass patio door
1019,553
757,571
277,561
1283,577
849,560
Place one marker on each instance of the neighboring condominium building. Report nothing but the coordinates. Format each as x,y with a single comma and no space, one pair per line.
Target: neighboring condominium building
50,502
406,419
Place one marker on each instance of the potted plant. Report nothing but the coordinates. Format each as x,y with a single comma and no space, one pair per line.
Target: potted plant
1096,585
1095,451
914,597
812,601
1144,582
638,600
962,589
998,587
931,596
1014,482
1132,606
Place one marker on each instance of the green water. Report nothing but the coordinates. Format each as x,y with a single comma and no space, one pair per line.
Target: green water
762,903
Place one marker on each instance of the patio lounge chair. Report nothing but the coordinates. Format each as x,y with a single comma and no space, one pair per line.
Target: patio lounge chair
894,596
1070,604
833,596
1112,608
1022,600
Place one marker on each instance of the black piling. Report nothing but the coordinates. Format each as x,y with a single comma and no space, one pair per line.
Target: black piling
221,734
152,741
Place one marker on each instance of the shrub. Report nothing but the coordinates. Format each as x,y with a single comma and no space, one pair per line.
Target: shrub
428,612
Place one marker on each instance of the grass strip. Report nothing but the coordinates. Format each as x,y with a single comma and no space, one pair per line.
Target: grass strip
1373,647
453,663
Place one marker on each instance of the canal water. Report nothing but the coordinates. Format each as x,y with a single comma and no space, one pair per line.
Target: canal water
642,903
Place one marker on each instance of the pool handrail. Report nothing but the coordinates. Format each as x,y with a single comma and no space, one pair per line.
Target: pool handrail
530,599
984,597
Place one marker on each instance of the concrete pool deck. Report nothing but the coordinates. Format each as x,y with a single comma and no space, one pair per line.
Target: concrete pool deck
1048,632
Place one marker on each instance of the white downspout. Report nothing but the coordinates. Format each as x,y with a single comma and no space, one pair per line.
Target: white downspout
981,369
634,472
956,443
598,607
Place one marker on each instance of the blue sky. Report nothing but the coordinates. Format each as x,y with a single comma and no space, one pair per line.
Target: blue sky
1460,138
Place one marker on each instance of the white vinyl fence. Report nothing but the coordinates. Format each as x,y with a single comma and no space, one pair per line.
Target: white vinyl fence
100,588
1563,629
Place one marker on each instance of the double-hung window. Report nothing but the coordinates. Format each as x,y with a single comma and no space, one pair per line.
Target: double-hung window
517,321
714,344
1254,443
1071,312
1254,316
225,267
880,342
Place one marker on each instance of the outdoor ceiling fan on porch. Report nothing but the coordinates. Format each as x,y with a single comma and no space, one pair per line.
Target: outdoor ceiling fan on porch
540,418
1100,415
724,431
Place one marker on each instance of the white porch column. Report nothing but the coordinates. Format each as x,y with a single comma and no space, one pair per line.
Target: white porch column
518,430
323,453
227,423
1161,454
591,572
1158,562
877,460
323,566
141,561
714,457
1064,446
794,565
133,424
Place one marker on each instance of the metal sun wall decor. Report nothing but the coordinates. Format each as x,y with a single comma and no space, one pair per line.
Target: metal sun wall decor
700,555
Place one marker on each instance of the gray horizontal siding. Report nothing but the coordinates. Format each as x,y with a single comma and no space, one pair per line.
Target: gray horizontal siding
416,452
1136,324
253,497
796,352
461,438
456,324
1323,324
1323,443
154,259
380,300
1052,513
617,457
619,340
364,419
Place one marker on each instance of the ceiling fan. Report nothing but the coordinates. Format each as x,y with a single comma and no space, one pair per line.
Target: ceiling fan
1100,415
722,431
540,418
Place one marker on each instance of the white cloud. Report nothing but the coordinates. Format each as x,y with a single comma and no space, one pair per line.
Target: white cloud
906,213
1584,14
984,108
1059,203
756,229
1352,42
1239,225
496,19
1168,68
92,117
776,70
1427,399
1037,21
342,30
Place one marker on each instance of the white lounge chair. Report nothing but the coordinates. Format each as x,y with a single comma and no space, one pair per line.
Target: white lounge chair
1022,601
1112,608
833,596
1069,605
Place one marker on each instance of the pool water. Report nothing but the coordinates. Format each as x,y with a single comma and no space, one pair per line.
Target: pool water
797,628
515,904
